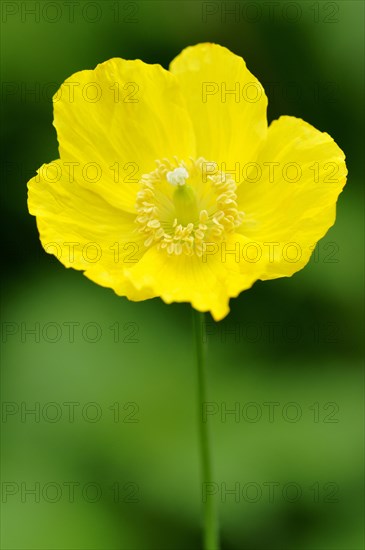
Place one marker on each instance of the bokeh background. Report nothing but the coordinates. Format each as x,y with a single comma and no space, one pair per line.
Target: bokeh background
122,470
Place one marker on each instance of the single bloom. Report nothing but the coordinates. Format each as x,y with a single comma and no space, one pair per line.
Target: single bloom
172,184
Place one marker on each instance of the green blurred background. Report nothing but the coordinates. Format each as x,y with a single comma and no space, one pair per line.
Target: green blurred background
130,450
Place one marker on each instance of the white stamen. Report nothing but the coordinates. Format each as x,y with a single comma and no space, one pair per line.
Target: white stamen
170,234
177,176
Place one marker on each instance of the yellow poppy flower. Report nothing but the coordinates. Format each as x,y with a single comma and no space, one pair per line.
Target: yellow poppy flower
171,184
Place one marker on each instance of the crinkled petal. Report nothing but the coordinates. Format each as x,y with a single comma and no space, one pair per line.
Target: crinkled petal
83,230
228,126
290,200
115,121
207,282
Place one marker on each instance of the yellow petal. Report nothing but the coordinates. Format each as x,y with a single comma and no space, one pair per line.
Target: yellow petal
81,229
115,121
207,282
228,126
290,195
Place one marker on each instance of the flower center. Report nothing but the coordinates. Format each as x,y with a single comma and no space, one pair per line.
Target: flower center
181,217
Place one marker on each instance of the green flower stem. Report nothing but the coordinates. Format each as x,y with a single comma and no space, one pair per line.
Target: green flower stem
211,536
